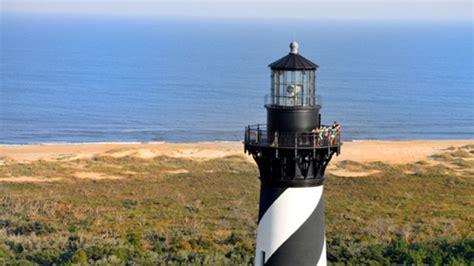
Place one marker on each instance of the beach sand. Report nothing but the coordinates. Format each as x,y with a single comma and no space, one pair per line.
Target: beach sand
391,152
360,151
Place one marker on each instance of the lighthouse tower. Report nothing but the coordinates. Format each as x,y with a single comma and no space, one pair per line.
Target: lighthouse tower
292,151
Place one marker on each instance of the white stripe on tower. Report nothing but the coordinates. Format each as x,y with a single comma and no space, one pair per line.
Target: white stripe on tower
283,218
322,260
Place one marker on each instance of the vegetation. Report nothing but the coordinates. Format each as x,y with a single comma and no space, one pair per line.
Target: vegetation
204,212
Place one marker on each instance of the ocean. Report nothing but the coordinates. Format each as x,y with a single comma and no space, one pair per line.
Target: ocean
123,79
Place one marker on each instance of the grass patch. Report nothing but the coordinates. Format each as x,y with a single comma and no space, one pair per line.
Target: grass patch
456,154
207,215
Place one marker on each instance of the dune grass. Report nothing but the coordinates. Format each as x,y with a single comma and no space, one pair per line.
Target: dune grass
204,212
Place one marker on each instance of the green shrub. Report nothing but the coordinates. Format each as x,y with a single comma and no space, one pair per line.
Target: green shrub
159,248
134,238
79,257
240,254
233,239
28,228
45,257
399,251
97,252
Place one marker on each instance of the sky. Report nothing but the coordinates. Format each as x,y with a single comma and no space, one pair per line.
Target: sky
439,10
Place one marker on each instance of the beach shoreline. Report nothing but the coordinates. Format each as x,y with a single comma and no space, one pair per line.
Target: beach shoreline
360,150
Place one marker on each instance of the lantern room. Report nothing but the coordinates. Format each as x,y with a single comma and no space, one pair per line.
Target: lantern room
293,80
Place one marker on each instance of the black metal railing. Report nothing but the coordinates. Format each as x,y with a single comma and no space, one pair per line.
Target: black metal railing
295,100
258,135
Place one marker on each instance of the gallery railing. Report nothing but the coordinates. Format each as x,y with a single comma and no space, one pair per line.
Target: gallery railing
258,135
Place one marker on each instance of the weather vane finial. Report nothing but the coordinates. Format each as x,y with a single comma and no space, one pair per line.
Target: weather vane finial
294,47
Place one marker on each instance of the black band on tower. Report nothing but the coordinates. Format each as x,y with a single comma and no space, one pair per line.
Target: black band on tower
306,246
267,196
291,228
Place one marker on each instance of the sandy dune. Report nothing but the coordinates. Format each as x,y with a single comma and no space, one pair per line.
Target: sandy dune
94,176
396,151
28,179
198,151
360,151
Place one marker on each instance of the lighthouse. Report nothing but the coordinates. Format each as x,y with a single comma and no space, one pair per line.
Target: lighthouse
292,151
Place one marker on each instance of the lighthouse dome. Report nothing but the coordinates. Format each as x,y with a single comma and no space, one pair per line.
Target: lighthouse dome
293,61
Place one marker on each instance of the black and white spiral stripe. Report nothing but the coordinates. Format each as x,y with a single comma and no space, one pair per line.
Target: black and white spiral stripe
291,226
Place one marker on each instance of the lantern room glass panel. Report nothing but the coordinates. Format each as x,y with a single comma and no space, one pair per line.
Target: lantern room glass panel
293,87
